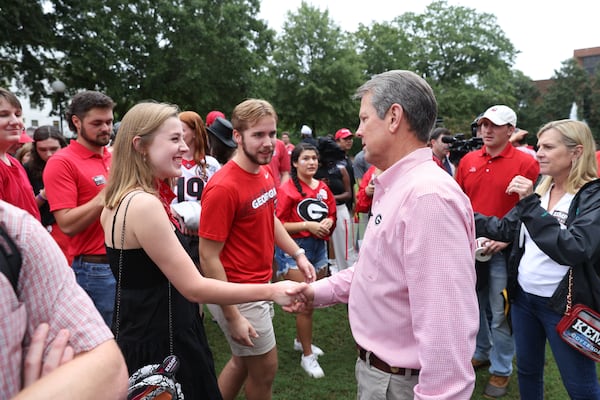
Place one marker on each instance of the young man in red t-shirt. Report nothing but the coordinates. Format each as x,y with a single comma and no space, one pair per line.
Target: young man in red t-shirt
238,232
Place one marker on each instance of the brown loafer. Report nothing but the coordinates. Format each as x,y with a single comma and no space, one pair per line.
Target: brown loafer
496,387
478,364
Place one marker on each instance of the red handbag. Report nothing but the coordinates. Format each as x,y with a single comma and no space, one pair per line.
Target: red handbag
580,327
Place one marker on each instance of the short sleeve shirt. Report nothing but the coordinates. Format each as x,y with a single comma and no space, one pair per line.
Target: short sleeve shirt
315,206
238,208
72,177
484,179
190,184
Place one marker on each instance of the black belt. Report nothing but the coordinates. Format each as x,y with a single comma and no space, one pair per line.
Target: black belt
94,258
381,365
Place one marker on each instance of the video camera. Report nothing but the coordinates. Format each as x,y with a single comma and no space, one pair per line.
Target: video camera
459,146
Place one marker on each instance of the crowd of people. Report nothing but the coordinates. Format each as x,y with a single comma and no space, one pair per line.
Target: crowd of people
118,239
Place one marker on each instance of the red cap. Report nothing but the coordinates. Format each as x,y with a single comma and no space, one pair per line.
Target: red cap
25,138
211,116
343,133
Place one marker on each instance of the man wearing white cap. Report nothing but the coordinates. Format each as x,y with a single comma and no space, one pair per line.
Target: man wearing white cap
484,175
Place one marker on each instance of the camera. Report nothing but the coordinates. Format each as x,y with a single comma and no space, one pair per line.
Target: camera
460,145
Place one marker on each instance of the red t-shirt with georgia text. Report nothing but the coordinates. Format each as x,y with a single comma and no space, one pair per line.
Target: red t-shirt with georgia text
238,208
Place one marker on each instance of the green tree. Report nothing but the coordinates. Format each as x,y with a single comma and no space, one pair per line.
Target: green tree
455,43
569,84
466,57
26,42
211,54
528,113
316,71
463,54
383,47
199,54
593,117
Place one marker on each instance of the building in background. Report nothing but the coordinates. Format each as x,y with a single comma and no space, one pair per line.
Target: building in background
36,116
589,59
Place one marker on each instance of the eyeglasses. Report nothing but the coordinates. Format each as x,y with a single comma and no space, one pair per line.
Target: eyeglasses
348,138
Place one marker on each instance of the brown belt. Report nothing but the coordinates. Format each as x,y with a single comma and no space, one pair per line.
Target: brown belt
381,365
93,258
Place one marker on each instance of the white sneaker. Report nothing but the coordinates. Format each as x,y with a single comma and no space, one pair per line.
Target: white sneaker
311,366
315,350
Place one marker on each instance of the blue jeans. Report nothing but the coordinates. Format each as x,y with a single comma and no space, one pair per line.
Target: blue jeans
533,323
494,339
316,252
99,283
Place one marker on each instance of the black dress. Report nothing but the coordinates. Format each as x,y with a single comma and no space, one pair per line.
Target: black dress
144,324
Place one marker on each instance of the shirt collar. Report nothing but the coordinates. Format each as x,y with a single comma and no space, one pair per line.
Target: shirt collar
405,164
507,152
84,152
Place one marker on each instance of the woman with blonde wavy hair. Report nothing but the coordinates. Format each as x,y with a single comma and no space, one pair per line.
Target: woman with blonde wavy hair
156,278
554,230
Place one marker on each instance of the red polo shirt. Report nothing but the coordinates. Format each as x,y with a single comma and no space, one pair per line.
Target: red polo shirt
484,179
72,177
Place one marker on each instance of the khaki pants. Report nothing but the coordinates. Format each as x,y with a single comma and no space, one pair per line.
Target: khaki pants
373,384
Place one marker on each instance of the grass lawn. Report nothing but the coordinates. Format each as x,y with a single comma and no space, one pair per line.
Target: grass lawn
332,333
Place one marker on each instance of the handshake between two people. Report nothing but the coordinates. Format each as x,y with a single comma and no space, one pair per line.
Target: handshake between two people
293,297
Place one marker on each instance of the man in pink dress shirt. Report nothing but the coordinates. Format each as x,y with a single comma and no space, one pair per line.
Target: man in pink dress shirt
411,299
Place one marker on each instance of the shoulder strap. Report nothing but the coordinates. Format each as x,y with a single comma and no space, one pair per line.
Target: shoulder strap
120,270
112,235
10,259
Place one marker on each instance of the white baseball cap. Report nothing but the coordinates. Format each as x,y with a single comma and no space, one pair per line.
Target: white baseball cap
499,115
305,130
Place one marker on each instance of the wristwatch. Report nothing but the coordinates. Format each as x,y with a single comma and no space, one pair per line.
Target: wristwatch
298,253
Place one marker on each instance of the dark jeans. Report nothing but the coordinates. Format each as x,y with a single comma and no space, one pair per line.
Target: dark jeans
99,283
534,322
